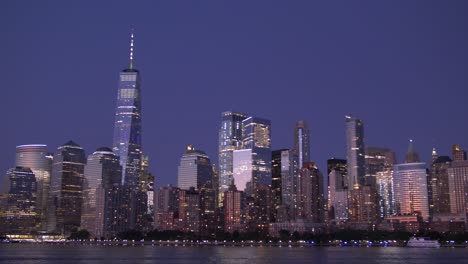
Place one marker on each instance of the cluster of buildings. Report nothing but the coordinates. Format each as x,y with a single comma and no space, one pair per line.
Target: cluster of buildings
253,188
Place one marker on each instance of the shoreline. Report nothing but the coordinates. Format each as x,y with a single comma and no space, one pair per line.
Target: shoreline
161,243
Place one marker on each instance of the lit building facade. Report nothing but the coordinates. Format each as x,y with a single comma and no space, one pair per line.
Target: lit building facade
337,195
458,153
37,158
302,142
166,208
310,194
127,127
189,210
102,173
377,159
21,213
257,138
284,169
439,181
410,189
230,139
385,190
458,186
195,169
66,188
234,211
355,155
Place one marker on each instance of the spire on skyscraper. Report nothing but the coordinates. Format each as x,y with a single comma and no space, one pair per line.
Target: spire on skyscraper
131,48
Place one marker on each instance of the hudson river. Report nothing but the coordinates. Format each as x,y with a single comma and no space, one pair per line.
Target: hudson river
44,253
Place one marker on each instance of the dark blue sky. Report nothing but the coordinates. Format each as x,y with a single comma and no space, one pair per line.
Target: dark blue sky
401,66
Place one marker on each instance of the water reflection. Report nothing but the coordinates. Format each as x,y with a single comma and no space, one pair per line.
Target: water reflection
39,254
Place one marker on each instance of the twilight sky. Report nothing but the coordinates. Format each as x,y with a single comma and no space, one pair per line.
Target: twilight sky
400,66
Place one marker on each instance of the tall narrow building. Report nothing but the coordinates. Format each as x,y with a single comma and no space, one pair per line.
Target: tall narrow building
230,139
102,173
37,158
21,216
302,142
66,188
252,164
127,128
355,152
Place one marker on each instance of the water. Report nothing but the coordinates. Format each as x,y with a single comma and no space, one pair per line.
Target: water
42,253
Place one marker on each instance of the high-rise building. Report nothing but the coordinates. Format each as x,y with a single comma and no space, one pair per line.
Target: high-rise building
166,208
355,155
102,173
234,210
189,210
385,190
457,153
21,214
127,128
37,158
284,170
458,186
377,159
127,142
302,142
148,184
337,195
410,186
364,205
439,184
310,194
195,169
230,139
252,165
66,188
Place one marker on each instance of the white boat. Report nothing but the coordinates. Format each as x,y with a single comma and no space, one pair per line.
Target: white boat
422,242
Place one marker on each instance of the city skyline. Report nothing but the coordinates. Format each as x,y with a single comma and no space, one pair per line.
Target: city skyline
386,125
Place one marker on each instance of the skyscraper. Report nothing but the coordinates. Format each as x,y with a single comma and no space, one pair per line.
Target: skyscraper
230,139
195,169
458,186
127,128
21,206
457,153
355,152
302,142
410,186
377,159
284,170
439,180
310,194
66,188
257,137
102,173
37,158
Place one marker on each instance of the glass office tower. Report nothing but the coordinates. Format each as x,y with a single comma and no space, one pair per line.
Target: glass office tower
127,128
230,139
195,169
37,158
355,152
66,188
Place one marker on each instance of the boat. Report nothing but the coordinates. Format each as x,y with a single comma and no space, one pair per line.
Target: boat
422,242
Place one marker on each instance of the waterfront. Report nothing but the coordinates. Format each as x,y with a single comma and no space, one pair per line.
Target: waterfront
50,253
